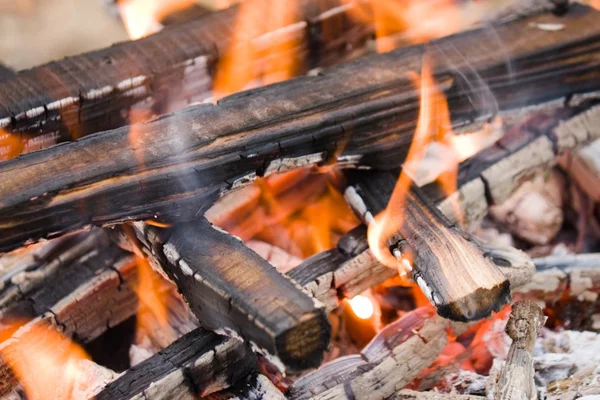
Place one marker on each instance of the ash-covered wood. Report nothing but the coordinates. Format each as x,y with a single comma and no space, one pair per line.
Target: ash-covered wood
393,358
406,394
102,301
229,286
447,264
180,164
36,278
197,364
516,378
254,387
91,92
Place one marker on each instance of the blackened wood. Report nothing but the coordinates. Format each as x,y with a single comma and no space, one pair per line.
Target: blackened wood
197,364
180,164
254,387
229,286
447,264
39,277
101,302
91,92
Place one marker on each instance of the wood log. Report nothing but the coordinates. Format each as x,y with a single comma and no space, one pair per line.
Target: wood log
228,286
189,158
393,358
36,278
447,264
516,378
101,302
406,394
198,364
91,92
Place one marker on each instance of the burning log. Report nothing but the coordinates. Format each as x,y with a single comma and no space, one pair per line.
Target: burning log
447,265
516,378
198,364
229,286
91,92
412,395
393,358
180,164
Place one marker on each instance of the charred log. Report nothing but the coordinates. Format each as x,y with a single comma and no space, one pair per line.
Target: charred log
96,91
180,164
229,286
197,364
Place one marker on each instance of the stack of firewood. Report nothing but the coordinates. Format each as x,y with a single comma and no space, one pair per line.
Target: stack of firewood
236,327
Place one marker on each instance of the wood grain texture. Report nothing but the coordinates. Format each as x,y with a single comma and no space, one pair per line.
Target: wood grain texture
227,285
450,268
197,364
515,381
181,163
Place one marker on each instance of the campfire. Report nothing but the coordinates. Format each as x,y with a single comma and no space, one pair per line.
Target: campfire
307,199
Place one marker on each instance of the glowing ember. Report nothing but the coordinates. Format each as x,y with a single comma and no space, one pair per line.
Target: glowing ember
47,364
362,306
10,145
141,17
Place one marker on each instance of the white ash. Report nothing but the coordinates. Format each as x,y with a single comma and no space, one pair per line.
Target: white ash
279,258
91,380
274,360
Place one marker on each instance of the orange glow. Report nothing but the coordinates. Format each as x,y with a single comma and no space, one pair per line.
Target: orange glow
11,145
260,52
417,21
433,127
141,17
44,361
362,306
148,290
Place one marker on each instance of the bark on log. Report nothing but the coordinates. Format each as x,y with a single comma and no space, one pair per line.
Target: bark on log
229,286
447,264
103,301
198,364
516,378
91,92
189,158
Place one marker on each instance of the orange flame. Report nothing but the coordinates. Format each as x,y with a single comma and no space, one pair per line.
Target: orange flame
141,17
260,51
433,127
47,364
148,289
417,21
11,145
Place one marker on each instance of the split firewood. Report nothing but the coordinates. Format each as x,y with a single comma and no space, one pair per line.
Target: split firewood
393,358
534,212
228,286
198,364
96,91
178,165
516,378
36,278
447,264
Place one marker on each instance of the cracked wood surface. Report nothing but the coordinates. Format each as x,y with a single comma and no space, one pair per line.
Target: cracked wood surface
515,381
181,163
